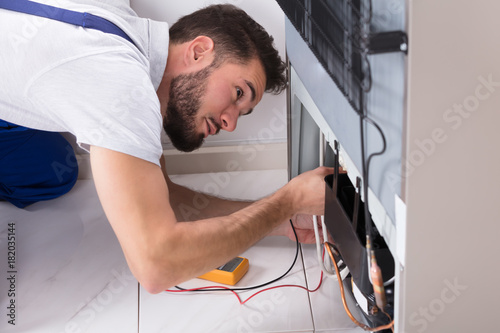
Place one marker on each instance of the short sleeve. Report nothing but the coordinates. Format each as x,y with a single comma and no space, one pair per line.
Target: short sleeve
105,100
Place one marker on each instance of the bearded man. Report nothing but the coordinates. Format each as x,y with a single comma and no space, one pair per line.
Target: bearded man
114,80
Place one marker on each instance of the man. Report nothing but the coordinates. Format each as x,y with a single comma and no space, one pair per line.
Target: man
114,95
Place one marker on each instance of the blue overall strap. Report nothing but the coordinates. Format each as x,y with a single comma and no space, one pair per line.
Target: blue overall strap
85,20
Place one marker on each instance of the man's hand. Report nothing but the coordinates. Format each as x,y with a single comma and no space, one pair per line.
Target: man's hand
307,191
303,225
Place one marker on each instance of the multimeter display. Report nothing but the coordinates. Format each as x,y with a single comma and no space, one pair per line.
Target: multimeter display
229,273
232,265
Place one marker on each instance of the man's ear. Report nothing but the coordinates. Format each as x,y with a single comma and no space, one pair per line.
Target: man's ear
200,51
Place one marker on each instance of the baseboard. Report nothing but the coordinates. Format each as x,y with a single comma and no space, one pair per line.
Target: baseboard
214,159
228,158
84,169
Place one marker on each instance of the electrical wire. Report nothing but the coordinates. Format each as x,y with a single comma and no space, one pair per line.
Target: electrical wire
369,72
366,174
366,166
329,248
365,161
321,262
318,250
233,290
370,13
253,295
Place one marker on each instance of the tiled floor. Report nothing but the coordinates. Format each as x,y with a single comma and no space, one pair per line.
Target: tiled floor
69,274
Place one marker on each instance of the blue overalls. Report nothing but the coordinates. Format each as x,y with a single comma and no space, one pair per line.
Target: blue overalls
37,165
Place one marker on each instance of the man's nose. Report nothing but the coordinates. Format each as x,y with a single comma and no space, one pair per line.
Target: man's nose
229,119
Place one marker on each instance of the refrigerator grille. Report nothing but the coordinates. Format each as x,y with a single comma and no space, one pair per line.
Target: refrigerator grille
333,30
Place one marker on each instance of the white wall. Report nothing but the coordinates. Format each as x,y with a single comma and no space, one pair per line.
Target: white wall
267,124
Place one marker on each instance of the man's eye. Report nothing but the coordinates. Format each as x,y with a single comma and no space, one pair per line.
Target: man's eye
239,93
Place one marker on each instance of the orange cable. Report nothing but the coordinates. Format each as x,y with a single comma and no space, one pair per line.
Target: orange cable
341,285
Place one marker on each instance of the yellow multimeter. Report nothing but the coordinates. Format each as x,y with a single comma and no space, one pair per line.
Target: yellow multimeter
229,273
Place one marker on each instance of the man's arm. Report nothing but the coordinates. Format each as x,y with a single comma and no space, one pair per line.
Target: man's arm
189,205
135,198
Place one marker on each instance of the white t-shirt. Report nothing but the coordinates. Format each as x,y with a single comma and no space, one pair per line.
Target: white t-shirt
59,77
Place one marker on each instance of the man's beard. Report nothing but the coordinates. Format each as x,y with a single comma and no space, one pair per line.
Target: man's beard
186,91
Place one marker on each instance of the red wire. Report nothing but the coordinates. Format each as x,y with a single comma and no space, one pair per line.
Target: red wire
209,287
260,291
285,285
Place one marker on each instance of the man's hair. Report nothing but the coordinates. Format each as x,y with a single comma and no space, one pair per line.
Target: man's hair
237,39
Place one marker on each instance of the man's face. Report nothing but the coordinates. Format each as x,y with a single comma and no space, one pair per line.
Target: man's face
204,102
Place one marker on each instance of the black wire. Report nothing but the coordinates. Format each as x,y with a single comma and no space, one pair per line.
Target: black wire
369,70
370,13
365,162
369,120
364,171
366,167
263,284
